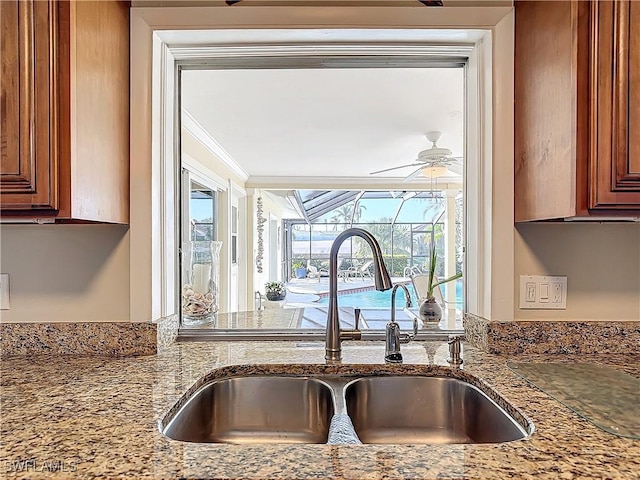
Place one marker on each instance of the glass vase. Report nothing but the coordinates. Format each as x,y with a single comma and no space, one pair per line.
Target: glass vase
430,312
200,282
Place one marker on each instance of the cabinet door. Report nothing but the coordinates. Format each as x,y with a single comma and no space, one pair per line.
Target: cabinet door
28,108
615,105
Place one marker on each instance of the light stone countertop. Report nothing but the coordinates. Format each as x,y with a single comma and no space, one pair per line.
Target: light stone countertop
97,417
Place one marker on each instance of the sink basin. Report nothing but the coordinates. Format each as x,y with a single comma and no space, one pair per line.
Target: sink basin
260,409
383,407
418,410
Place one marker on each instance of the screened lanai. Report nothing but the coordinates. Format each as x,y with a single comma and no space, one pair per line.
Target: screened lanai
404,222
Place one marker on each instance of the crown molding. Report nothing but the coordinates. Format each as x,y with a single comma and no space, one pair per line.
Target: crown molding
192,126
203,174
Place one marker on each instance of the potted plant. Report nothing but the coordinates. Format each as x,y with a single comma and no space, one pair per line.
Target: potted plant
299,269
430,311
275,291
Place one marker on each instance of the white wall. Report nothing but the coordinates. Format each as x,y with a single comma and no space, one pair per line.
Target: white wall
202,155
196,150
273,209
66,273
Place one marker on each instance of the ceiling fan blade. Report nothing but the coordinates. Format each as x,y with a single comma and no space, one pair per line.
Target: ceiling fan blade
396,168
416,173
231,2
456,168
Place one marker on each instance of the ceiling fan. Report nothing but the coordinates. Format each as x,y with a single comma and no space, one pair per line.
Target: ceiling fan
431,163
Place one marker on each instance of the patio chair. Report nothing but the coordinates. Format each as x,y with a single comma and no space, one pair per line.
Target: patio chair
420,283
361,271
364,271
313,272
345,272
410,271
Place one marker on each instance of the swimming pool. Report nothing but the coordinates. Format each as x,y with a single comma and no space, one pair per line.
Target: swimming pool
376,299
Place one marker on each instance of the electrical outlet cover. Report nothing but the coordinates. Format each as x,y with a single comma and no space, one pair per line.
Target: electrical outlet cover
5,303
543,292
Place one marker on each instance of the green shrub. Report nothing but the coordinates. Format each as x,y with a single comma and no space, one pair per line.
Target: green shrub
276,288
298,263
396,264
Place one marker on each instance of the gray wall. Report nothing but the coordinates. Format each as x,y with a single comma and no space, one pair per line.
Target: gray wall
601,261
62,273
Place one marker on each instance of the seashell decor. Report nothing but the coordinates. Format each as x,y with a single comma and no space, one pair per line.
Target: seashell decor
196,303
260,220
200,277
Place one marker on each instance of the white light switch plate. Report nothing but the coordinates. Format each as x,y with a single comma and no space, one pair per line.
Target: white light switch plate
5,303
542,292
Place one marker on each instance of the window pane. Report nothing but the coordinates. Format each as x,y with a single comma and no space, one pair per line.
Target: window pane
421,209
202,213
300,246
322,237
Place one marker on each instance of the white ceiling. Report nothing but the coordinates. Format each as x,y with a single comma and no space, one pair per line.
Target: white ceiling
327,122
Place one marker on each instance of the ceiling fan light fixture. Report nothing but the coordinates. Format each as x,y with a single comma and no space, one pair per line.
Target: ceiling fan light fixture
434,171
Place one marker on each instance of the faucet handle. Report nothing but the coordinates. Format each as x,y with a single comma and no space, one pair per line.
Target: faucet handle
407,337
354,334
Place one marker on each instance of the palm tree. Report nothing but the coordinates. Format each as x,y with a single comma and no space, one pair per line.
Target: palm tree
401,239
345,214
342,214
358,213
382,231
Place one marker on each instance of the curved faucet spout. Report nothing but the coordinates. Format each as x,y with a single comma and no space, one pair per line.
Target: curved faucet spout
407,298
392,333
333,347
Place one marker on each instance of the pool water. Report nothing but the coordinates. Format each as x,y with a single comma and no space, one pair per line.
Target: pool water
376,299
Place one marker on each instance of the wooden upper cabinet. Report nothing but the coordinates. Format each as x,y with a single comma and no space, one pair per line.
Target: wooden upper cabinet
65,110
577,109
615,105
29,105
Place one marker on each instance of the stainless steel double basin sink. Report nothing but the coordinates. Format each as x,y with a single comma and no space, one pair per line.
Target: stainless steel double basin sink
389,409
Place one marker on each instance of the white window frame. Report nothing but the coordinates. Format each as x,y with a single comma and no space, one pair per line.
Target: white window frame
237,199
489,198
203,174
189,176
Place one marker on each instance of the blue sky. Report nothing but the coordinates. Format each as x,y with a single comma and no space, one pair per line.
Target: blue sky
413,210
